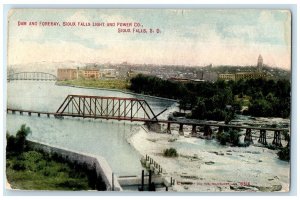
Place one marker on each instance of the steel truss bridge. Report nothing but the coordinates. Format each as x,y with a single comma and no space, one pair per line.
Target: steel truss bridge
106,107
133,109
38,76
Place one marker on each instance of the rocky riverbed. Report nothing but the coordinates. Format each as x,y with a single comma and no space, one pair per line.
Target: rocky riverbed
206,166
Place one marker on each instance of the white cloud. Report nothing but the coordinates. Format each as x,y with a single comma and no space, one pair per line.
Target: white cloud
170,47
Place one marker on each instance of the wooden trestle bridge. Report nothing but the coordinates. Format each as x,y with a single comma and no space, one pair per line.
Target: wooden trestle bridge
138,110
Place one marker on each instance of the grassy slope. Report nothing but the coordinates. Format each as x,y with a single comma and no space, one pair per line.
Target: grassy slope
99,83
34,171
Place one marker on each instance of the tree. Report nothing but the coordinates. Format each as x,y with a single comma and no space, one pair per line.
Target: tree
21,138
199,112
260,107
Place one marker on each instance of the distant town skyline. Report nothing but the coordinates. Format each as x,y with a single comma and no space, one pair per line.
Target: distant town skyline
196,37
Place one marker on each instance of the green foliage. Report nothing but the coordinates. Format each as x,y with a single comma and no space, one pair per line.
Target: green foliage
10,142
98,83
33,170
152,85
171,152
237,105
231,136
178,114
207,100
286,136
268,98
284,153
17,143
18,165
271,146
38,171
223,138
200,110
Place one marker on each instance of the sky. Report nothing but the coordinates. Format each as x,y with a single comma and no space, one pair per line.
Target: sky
191,37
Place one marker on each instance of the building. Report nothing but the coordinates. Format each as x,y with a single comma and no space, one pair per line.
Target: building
66,74
71,74
246,75
242,75
227,77
259,63
90,73
250,75
109,73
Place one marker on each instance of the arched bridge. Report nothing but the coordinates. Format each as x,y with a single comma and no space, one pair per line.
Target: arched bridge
38,76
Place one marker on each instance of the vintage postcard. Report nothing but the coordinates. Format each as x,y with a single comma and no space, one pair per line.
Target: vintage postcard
165,100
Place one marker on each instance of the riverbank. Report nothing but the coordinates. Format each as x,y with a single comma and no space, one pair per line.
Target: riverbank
124,91
33,170
120,84
206,166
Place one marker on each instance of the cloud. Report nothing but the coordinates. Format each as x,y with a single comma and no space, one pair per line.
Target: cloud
181,42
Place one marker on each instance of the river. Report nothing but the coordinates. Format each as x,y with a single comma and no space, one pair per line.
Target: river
121,142
107,138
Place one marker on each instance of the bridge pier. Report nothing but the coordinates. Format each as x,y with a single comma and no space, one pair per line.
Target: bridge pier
194,131
39,114
21,112
277,139
180,129
169,128
207,131
263,137
48,115
248,136
13,112
29,113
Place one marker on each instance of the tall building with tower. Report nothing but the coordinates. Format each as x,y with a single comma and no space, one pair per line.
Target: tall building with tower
259,63
246,75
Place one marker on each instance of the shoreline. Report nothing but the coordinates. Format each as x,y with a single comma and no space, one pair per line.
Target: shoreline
117,90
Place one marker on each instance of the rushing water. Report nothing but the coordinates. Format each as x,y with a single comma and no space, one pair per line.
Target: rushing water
99,137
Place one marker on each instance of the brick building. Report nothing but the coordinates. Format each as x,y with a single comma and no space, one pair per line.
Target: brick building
66,74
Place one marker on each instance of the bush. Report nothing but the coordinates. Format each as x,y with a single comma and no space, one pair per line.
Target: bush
231,136
21,138
284,154
171,152
234,137
178,114
286,136
10,143
223,138
271,146
73,184
17,143
19,165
